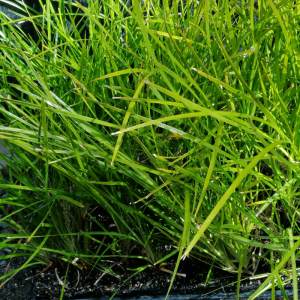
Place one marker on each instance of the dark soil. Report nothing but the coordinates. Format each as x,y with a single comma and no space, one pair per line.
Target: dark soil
18,287
153,283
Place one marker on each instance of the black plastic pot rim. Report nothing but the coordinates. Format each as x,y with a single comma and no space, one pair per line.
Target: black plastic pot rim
212,296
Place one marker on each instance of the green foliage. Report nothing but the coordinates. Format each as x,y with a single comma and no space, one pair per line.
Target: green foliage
177,120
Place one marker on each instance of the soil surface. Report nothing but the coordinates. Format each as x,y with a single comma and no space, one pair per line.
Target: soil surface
20,286
46,285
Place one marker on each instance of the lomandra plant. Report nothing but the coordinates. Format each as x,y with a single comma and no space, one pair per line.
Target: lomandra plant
179,121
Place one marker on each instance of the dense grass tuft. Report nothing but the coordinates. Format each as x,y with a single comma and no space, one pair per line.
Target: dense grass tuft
168,123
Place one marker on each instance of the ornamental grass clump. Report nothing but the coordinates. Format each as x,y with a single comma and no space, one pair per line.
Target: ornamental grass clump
137,125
